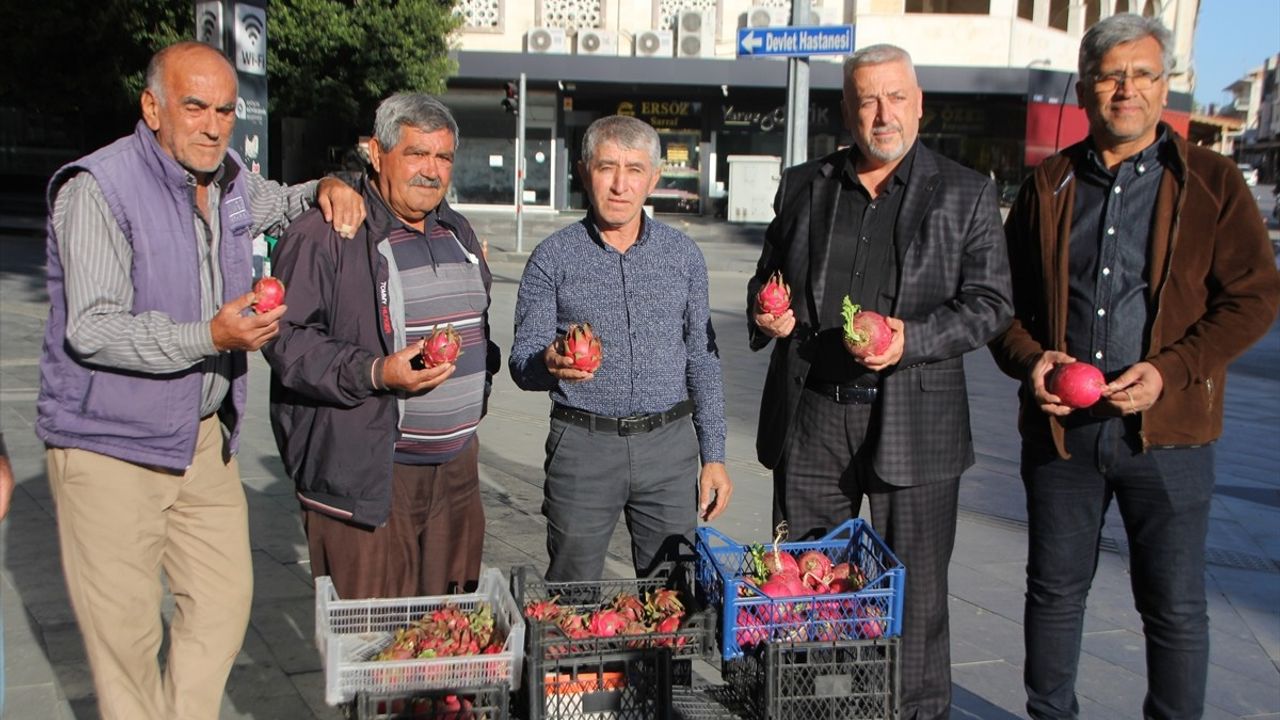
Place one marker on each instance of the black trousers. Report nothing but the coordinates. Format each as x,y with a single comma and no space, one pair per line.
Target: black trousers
825,472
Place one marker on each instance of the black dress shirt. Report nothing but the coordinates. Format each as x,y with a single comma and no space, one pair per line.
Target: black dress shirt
1107,311
861,263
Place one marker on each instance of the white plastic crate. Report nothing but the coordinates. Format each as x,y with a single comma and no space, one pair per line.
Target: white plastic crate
350,632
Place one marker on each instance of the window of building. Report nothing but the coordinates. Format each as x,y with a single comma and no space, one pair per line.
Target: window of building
1122,6
571,15
666,13
484,168
1092,12
985,133
480,15
1027,9
1058,12
951,7
1149,9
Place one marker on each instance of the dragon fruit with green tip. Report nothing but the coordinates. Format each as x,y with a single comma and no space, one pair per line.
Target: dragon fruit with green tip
866,334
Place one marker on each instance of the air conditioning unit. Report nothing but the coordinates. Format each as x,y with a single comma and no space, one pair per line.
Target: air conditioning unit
654,43
546,40
695,34
597,42
768,16
824,15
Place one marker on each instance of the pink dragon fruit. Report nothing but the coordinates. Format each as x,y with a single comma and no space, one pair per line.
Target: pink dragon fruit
774,297
443,346
784,585
866,334
606,623
268,294
583,347
1077,385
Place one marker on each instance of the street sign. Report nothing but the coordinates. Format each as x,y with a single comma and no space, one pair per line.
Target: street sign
801,41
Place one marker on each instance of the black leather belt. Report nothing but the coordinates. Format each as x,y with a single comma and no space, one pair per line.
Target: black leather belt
630,425
844,394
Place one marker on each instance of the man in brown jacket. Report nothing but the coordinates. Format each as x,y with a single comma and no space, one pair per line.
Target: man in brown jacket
1148,258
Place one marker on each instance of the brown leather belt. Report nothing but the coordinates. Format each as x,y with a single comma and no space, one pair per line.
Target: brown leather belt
630,425
844,394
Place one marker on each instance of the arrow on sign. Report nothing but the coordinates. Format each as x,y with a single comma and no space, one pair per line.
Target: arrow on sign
750,42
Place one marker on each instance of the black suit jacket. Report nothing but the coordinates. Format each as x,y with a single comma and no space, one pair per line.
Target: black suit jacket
953,294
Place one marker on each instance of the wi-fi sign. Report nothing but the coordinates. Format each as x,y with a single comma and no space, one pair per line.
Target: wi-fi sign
251,39
253,30
208,27
209,23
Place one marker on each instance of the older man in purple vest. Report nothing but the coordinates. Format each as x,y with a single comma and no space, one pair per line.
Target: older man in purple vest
143,384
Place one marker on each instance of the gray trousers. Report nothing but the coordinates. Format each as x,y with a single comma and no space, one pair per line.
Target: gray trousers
593,477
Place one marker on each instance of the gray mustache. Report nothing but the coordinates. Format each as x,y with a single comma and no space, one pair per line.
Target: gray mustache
419,181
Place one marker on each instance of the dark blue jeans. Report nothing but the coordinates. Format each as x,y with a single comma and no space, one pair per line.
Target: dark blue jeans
1163,496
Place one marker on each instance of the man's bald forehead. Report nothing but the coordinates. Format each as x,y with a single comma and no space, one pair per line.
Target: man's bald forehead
179,56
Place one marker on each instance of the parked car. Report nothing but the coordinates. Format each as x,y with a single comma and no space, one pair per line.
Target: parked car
1250,173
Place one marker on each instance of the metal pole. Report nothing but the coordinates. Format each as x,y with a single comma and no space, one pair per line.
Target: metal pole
797,150
520,166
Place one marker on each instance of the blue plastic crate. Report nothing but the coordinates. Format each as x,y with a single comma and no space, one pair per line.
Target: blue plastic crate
748,617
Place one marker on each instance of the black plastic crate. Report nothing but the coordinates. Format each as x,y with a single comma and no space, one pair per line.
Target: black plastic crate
622,686
486,703
625,677
841,680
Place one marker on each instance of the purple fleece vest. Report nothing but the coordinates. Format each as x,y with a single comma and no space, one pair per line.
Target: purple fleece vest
140,418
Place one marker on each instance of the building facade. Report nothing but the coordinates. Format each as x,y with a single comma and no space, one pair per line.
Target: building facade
1255,102
998,76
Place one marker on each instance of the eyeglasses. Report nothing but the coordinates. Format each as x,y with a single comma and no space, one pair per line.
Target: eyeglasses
1142,80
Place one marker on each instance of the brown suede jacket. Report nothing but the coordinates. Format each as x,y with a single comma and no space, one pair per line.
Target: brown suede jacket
1213,289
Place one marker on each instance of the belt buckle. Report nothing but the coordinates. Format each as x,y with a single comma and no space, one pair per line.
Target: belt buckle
854,395
632,425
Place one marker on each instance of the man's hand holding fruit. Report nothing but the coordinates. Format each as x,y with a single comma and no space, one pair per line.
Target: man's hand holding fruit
773,314
1061,384
576,355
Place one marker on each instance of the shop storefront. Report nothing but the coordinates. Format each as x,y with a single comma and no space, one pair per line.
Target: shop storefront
681,132
999,121
983,132
484,170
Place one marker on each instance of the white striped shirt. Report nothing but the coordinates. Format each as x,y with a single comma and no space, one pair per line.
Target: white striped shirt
97,262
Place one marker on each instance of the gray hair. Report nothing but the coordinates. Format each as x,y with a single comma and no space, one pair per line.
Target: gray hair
629,134
1117,30
417,110
877,55
155,68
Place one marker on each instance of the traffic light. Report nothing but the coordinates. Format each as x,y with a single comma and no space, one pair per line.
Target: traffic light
511,103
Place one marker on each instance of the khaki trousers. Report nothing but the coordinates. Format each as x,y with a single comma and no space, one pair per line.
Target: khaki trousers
120,525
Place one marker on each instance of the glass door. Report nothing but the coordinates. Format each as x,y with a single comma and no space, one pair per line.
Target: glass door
538,166
677,190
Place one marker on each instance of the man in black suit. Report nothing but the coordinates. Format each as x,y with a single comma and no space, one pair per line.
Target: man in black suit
917,238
